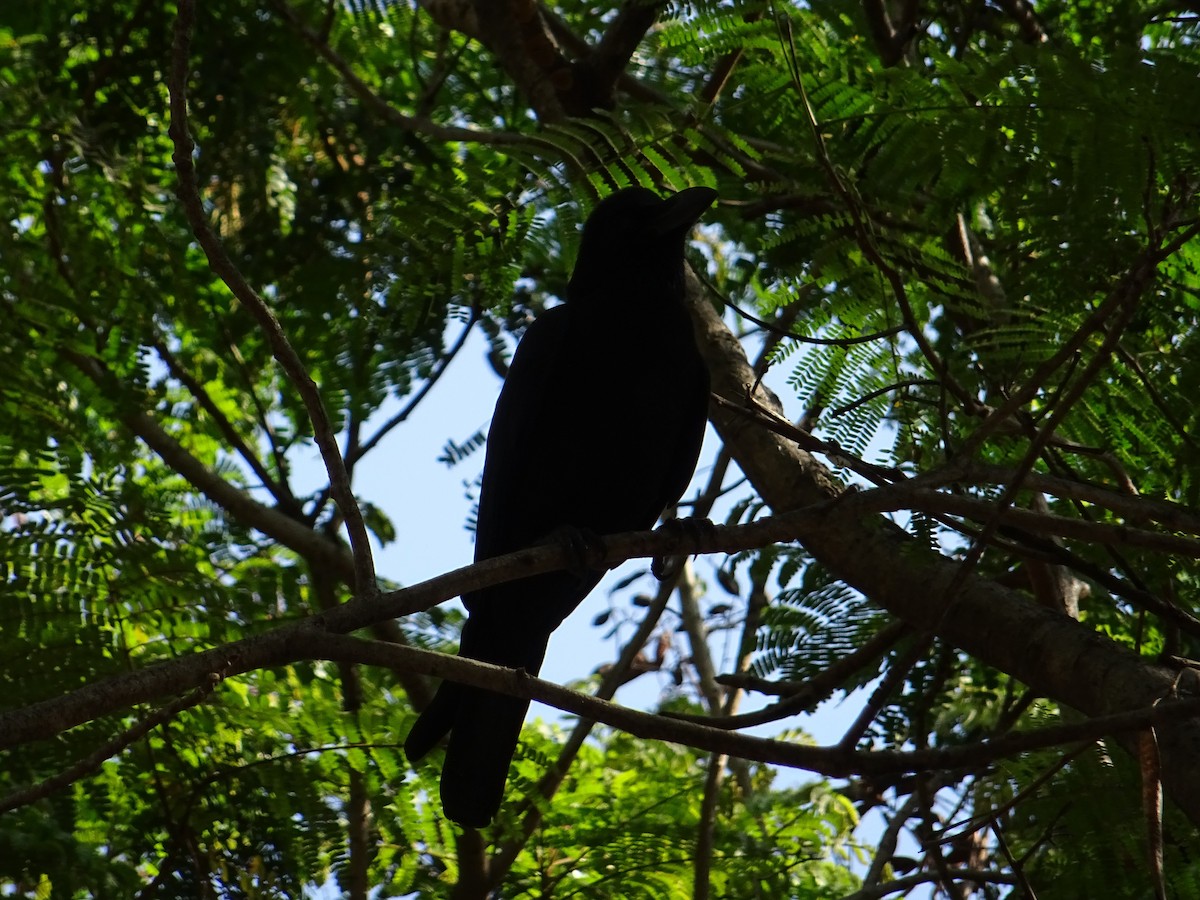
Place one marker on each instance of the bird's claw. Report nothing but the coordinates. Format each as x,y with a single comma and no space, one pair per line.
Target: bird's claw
585,549
692,528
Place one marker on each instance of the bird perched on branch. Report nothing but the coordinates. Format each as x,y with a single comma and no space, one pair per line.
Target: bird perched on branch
597,430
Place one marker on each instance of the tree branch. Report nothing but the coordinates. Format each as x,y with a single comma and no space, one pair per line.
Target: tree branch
188,193
413,124
897,497
279,489
1055,655
806,695
270,521
603,67
514,32
908,882
322,637
92,762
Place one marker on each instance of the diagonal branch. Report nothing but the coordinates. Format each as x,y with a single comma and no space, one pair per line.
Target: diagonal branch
1132,284
279,489
305,642
92,762
189,195
272,522
356,452
806,695
605,65
1053,654
516,34
413,124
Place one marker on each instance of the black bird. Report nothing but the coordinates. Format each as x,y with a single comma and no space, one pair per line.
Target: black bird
597,429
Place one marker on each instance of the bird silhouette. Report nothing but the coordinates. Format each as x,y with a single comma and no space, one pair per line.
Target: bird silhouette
597,430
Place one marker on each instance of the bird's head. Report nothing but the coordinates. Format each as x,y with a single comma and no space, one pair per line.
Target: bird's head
634,226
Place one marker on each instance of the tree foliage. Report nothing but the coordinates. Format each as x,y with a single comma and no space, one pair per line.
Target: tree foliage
967,234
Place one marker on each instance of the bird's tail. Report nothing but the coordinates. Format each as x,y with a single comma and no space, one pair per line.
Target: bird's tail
482,743
484,729
434,722
484,726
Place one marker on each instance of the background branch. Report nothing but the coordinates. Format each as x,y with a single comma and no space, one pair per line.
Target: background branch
189,196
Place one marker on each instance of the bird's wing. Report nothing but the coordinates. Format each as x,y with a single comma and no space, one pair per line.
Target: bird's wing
692,405
522,408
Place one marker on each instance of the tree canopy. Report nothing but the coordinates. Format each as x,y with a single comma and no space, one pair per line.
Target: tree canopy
966,232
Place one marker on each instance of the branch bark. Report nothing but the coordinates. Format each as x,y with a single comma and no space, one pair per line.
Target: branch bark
323,637
188,192
1055,655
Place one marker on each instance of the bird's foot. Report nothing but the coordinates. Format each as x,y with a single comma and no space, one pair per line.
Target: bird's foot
585,549
691,528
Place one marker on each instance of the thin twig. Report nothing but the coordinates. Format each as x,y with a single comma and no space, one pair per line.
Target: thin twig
1013,862
279,490
878,392
895,676
442,365
841,458
806,694
898,497
412,124
863,227
885,846
805,339
94,760
976,822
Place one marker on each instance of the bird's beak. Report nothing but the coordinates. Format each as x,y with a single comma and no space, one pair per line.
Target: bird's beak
680,211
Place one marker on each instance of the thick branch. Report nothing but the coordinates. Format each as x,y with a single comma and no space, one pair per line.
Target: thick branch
515,33
598,74
316,638
1054,654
